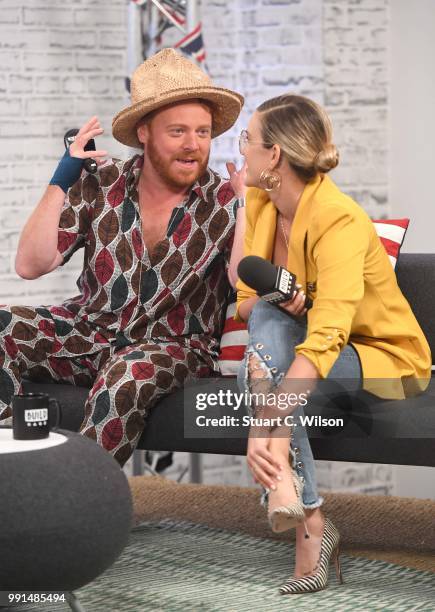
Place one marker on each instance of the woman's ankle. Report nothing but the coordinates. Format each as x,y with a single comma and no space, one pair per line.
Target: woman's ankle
314,514
314,522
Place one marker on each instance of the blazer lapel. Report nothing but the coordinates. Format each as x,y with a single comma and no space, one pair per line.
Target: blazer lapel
266,227
301,221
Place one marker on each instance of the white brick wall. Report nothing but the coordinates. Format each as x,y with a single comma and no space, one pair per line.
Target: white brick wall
62,62
355,35
274,46
56,70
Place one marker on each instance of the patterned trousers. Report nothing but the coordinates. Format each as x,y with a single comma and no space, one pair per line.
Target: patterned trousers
124,384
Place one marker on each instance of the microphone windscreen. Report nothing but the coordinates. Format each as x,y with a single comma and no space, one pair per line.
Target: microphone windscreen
257,273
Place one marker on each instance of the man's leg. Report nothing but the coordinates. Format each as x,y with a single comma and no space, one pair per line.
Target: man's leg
80,370
127,387
26,340
32,343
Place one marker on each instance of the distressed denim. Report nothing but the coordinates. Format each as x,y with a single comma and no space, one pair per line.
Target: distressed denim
272,338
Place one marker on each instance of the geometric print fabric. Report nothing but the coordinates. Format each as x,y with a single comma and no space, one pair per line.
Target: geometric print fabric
143,322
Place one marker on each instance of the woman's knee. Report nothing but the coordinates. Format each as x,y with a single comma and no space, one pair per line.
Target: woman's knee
252,366
272,338
266,362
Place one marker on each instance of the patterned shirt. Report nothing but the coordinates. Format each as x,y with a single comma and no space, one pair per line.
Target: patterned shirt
178,291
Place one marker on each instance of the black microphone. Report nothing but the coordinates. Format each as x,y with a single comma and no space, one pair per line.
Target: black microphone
90,164
274,284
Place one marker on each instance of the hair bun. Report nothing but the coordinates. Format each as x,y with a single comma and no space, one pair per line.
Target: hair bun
327,159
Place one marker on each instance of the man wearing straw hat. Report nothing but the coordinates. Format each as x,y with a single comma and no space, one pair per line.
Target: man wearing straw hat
156,231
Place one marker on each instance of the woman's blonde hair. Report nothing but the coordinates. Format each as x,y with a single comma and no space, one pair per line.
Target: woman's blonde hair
303,131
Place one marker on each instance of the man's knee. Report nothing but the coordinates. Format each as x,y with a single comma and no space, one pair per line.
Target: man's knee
5,320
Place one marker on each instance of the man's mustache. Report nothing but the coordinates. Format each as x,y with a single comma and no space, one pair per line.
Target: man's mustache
189,157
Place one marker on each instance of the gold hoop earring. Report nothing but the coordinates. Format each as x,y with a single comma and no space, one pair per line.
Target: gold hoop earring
270,180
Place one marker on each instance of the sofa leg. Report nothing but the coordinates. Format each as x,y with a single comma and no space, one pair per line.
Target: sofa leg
195,467
138,460
74,603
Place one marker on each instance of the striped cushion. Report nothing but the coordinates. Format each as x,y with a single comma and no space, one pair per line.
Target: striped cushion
235,335
233,341
392,234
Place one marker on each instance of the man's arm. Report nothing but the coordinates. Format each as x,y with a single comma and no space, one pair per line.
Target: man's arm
37,252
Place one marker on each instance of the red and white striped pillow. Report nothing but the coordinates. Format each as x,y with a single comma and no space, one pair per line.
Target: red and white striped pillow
392,234
235,335
233,342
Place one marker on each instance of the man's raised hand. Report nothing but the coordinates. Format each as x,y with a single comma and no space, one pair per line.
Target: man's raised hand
89,130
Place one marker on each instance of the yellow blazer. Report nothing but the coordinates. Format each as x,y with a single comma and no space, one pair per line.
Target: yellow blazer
337,257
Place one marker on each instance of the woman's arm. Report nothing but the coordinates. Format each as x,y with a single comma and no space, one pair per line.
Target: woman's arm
237,180
246,306
339,253
237,250
301,380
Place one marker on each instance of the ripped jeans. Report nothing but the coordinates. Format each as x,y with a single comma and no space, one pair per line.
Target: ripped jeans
272,338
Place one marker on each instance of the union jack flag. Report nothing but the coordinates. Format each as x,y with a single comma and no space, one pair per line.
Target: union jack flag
193,44
174,9
173,13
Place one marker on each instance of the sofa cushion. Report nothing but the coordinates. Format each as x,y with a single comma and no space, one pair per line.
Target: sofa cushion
165,426
233,343
392,234
375,431
416,278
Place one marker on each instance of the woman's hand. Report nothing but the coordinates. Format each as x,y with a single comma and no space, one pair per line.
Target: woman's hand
296,306
263,466
88,131
237,179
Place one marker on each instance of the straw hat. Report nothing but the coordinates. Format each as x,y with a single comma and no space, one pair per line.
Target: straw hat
168,77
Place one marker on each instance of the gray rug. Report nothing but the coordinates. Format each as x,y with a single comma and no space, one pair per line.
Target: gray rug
173,566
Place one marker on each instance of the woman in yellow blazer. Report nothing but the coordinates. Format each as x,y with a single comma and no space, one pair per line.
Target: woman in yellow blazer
359,327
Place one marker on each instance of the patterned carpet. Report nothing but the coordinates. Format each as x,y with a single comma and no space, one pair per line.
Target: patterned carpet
171,566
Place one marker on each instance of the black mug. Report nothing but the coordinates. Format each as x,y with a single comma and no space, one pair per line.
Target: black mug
33,415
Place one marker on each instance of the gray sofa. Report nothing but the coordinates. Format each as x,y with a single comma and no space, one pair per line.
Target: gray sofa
376,431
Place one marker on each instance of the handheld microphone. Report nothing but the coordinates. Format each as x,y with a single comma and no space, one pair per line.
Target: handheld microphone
89,164
274,284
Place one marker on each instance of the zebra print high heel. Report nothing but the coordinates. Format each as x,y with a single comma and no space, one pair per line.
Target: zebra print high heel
319,578
286,517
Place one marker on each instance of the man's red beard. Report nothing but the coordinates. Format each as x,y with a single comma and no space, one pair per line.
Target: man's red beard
176,177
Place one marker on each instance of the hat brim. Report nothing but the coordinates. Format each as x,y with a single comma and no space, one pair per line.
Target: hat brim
226,106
